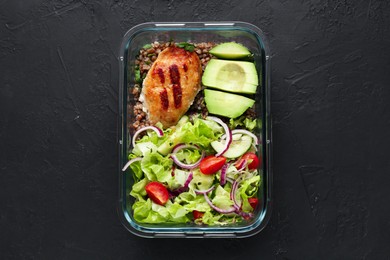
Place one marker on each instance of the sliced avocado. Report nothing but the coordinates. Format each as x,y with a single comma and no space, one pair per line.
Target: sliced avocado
236,148
230,50
226,104
232,76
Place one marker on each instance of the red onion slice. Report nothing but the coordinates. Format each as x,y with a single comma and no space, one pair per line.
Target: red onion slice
230,180
130,162
179,147
223,211
223,173
158,131
242,164
245,214
184,188
234,191
227,132
189,179
204,191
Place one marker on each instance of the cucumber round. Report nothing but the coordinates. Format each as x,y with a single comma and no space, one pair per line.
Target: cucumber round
236,148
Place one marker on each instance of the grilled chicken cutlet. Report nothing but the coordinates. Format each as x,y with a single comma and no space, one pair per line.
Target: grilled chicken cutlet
171,85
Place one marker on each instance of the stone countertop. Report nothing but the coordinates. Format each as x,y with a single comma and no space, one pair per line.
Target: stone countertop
331,124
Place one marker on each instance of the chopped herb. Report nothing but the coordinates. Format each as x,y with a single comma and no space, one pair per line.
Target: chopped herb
147,46
151,54
137,73
187,46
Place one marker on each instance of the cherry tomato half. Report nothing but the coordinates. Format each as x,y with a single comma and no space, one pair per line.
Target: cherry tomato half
254,202
197,214
211,164
157,192
254,160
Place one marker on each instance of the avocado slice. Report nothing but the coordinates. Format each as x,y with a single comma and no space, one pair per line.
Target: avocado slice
226,104
230,50
232,76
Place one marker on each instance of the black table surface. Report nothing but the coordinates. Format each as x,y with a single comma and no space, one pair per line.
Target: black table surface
331,129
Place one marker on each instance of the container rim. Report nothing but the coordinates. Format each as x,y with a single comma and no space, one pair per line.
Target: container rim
192,25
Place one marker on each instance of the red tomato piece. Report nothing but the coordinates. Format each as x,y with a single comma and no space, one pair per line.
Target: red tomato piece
254,202
197,214
254,160
211,164
157,192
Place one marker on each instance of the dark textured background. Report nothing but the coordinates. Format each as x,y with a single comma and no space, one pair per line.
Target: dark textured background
58,112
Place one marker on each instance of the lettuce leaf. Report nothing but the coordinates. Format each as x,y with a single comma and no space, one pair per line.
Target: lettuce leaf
192,202
244,122
248,189
138,189
143,148
178,179
212,219
200,181
200,133
150,212
136,168
222,198
157,167
188,155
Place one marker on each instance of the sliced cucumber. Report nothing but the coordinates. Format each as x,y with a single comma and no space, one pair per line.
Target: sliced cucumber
237,148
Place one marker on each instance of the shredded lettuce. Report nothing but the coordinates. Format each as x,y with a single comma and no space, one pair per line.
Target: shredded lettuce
222,198
245,122
136,169
201,181
188,155
150,212
138,189
200,133
178,179
210,218
248,189
156,167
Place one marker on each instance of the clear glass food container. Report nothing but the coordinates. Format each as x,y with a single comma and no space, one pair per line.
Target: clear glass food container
218,32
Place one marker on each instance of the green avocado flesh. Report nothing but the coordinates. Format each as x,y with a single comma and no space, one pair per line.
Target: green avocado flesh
232,76
226,104
230,50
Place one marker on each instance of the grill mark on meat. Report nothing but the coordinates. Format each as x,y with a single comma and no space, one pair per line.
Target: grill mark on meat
164,99
177,94
160,73
174,74
176,88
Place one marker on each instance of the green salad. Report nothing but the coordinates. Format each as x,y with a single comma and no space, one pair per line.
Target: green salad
189,183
